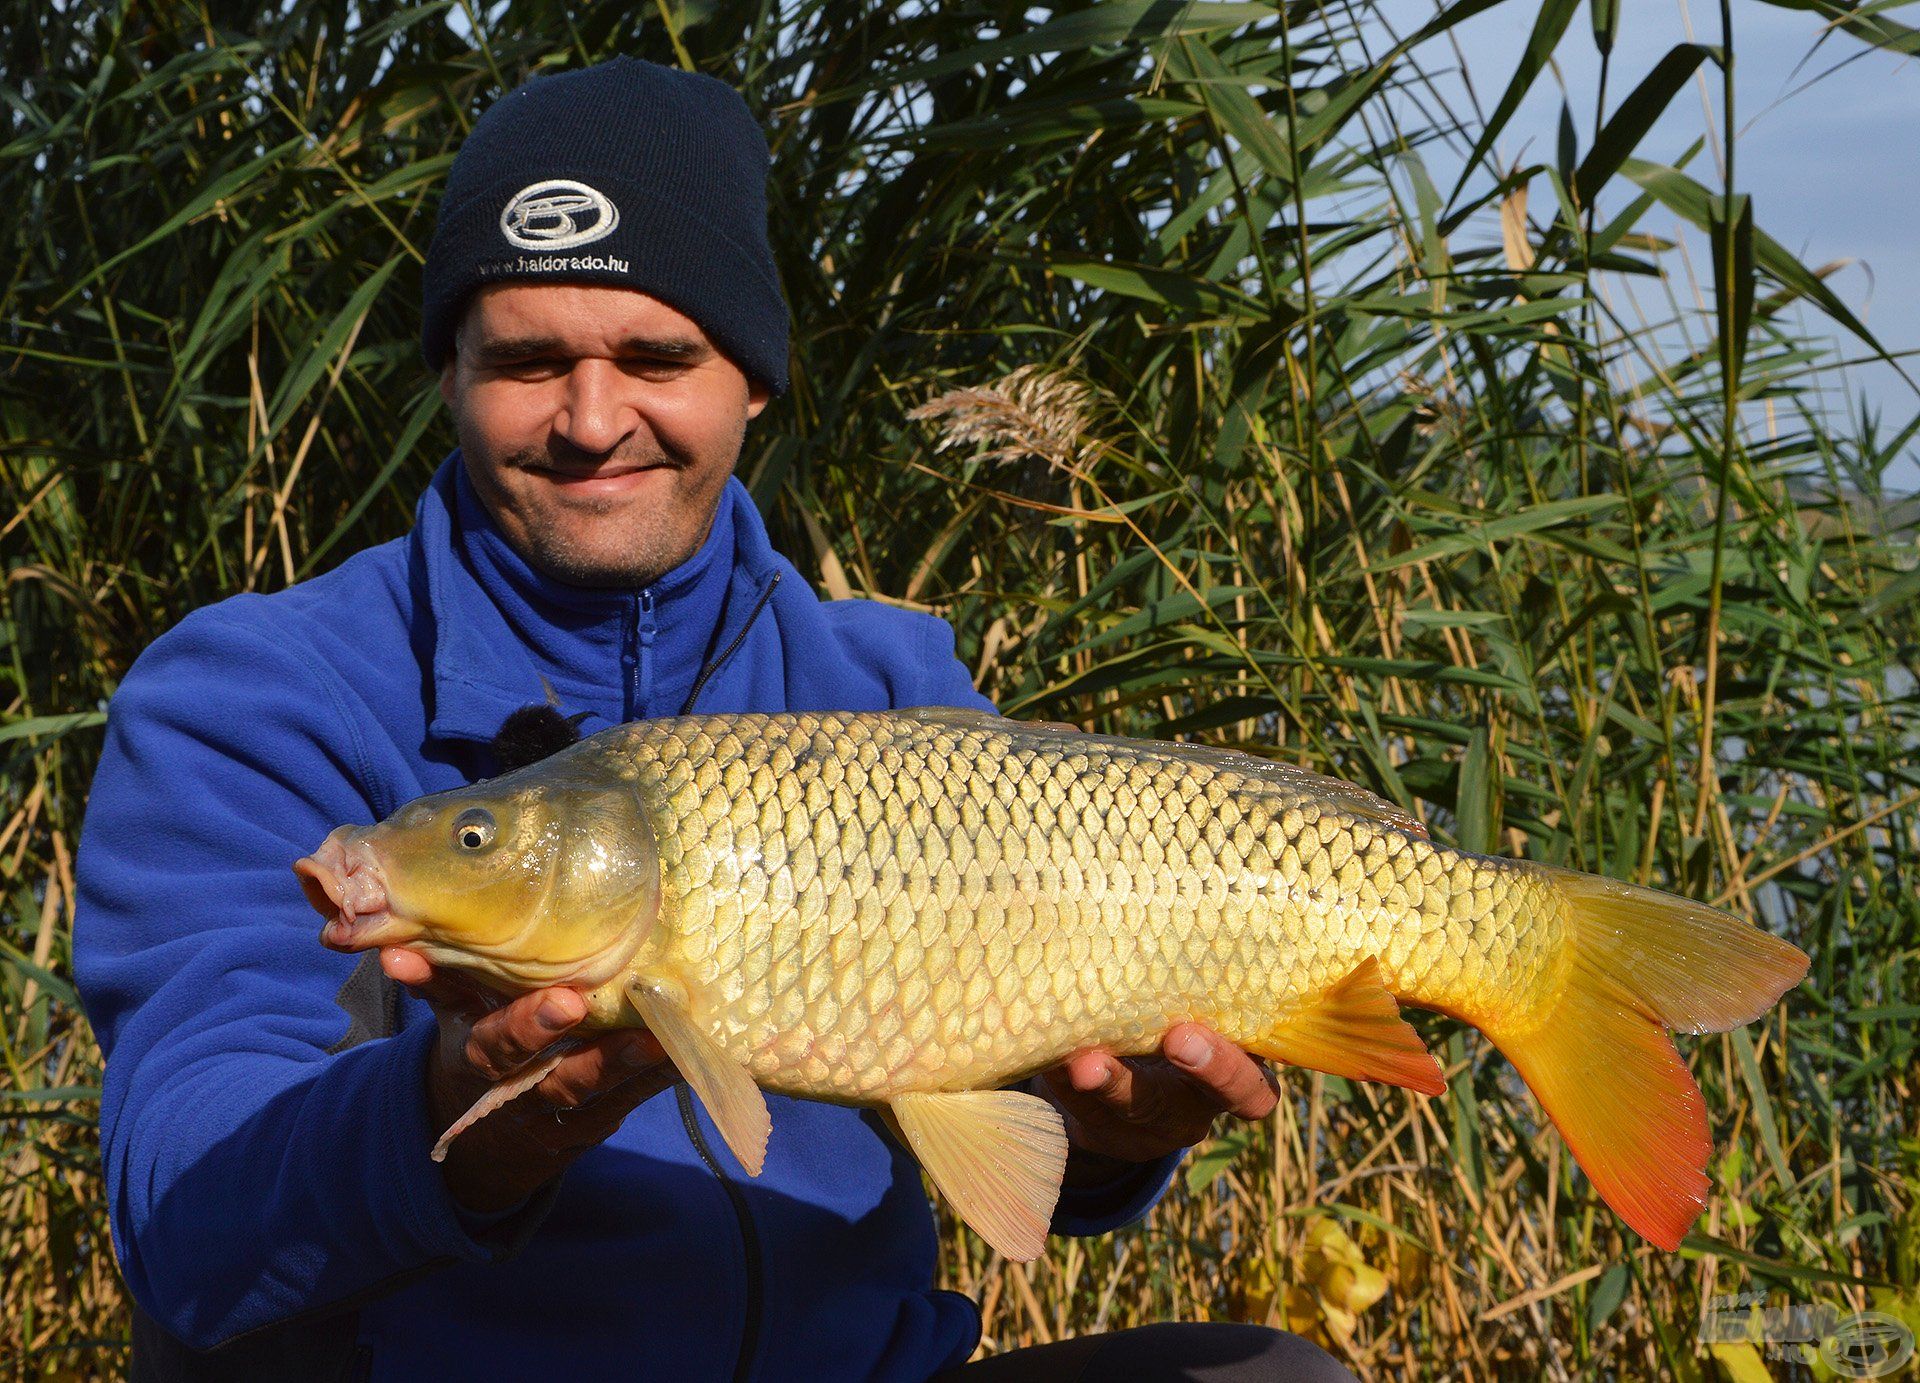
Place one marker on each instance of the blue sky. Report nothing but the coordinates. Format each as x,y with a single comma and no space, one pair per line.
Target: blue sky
1829,149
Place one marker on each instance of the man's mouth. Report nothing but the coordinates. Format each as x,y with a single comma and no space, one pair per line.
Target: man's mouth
344,882
609,479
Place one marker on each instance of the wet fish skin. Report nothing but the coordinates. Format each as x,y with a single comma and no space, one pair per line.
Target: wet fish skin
911,909
872,904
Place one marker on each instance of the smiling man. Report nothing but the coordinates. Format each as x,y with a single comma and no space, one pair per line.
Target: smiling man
601,305
548,383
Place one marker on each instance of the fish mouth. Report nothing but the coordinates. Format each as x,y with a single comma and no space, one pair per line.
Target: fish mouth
346,885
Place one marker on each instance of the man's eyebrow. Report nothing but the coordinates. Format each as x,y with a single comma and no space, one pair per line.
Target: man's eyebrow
506,349
502,349
669,347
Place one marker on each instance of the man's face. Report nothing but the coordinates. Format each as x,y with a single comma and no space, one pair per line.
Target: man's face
598,425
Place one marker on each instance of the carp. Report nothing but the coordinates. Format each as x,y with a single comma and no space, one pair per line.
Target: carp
915,909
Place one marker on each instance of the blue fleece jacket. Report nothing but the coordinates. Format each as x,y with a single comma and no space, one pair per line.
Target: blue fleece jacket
256,1169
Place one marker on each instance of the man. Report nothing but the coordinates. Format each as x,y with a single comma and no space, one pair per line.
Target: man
601,303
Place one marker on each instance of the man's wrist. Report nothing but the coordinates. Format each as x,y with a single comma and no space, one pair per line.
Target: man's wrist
494,1167
1088,1169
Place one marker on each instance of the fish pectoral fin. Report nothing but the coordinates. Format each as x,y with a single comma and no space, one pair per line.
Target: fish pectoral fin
733,1101
501,1091
998,1155
1355,1030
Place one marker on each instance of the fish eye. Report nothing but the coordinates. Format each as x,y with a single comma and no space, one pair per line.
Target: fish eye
473,829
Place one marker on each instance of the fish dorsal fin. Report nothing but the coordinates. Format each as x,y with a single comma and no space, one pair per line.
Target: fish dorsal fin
1347,797
998,1155
1355,1030
733,1101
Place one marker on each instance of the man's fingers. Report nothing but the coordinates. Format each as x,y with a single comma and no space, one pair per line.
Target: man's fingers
606,1065
506,1039
1099,1073
1231,1077
1105,1089
590,1094
442,988
406,967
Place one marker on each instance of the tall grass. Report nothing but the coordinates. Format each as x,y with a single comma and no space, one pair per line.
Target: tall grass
1141,341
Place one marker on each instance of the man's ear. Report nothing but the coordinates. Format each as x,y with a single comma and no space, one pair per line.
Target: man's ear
758,396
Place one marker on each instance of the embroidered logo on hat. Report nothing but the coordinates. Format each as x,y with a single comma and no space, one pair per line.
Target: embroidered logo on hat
557,214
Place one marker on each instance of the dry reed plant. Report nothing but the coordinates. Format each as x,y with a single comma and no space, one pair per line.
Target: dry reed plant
1031,411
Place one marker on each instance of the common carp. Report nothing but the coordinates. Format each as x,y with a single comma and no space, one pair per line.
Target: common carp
914,909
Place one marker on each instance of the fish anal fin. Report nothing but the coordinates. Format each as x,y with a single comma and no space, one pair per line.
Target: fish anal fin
998,1155
1355,1030
733,1101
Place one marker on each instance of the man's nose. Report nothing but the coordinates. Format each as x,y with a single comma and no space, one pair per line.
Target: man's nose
595,417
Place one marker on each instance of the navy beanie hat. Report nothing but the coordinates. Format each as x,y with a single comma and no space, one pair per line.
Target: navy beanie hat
625,173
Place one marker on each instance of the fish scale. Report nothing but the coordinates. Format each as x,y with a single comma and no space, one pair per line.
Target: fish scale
912,855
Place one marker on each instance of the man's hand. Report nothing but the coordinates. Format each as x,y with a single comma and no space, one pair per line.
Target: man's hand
1137,1109
530,1139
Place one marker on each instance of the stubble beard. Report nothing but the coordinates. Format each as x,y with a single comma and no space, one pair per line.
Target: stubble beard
643,554
596,541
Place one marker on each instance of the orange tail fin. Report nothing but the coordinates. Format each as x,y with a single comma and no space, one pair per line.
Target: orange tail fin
1601,1062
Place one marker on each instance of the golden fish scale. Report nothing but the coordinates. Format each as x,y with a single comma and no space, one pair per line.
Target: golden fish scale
863,904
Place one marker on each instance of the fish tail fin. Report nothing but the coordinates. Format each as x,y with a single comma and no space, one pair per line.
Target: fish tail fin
1598,1057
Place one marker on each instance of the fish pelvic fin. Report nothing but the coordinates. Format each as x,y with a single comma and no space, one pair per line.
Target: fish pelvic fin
998,1155
497,1094
1354,1029
733,1101
1598,1056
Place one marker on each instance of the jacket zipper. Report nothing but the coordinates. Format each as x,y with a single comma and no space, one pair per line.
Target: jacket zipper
721,658
646,629
637,656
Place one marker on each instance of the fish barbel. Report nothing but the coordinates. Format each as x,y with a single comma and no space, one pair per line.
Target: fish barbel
912,909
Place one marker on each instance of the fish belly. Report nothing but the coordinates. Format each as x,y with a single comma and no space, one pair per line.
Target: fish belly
862,905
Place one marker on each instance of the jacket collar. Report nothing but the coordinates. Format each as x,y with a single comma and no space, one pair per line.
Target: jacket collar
498,627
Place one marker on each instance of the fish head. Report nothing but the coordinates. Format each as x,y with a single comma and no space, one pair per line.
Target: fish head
550,875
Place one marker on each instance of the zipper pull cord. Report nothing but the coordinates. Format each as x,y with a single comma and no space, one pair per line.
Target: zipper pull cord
720,659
